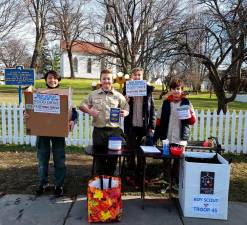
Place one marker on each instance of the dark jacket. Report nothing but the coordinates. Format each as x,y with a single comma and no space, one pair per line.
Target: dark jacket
148,111
161,128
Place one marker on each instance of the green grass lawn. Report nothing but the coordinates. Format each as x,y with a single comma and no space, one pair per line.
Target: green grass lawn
82,87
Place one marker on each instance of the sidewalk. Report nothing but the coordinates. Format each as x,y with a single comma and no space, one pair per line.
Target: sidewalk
46,210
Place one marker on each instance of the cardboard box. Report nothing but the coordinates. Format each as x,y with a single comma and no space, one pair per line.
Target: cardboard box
204,187
50,112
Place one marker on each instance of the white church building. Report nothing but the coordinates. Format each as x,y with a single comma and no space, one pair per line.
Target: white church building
87,60
88,57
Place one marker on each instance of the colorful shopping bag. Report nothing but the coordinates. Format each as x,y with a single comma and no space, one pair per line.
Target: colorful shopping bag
104,199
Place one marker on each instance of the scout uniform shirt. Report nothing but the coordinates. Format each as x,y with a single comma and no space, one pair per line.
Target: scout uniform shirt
103,102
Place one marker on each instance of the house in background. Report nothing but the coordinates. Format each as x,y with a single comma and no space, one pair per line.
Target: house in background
87,59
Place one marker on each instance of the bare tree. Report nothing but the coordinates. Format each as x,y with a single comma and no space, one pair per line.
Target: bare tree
10,17
134,30
68,22
224,27
14,52
38,11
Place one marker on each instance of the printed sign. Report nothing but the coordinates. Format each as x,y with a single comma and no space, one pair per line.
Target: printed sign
114,115
207,183
136,88
205,205
19,76
45,103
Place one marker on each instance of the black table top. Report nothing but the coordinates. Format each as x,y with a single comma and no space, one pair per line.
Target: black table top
91,150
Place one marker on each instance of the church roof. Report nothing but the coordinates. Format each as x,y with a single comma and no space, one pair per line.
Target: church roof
93,48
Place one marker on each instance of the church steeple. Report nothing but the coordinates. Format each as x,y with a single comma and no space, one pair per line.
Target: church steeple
108,25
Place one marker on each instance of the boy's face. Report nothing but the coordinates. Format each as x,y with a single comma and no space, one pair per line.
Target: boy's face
177,92
106,81
51,81
138,75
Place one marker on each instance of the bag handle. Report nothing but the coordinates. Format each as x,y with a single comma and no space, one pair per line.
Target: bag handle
102,183
110,182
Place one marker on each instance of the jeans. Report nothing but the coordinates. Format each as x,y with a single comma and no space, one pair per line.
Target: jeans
44,145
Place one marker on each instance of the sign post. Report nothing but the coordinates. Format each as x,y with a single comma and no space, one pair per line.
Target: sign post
19,76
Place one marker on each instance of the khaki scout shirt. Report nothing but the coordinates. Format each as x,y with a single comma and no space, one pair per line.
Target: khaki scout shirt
102,102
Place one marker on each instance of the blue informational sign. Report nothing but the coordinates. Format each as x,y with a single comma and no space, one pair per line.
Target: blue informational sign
19,76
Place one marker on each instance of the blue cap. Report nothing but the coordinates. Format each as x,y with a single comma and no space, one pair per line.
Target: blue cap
115,138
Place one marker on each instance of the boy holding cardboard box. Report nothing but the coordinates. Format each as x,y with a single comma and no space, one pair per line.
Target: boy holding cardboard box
44,144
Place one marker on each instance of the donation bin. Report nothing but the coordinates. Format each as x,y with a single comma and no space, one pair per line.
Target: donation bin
204,185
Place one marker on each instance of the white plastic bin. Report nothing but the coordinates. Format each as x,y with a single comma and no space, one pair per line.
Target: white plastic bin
204,187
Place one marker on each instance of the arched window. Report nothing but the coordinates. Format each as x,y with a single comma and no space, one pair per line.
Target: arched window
89,65
75,64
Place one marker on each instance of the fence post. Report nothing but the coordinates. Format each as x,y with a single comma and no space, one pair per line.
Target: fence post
214,124
21,124
245,134
195,126
80,121
208,122
227,126
202,126
239,137
10,136
86,129
233,132
15,124
4,136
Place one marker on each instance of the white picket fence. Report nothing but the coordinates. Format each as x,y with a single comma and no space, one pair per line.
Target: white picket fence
231,129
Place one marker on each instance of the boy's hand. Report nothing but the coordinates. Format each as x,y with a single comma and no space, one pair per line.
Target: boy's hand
26,115
150,132
71,125
127,98
94,113
123,113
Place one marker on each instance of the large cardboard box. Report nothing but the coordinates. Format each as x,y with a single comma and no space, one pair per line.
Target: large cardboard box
50,112
203,187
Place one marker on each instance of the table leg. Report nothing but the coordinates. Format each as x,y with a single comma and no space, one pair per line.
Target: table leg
92,172
119,166
170,178
143,180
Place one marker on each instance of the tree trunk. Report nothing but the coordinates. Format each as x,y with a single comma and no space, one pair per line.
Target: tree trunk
72,75
222,103
36,53
34,58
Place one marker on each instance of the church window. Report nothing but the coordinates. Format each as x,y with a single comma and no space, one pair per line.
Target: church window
75,64
89,65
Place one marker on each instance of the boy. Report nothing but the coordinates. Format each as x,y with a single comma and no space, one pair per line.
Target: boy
168,125
139,123
44,144
99,105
